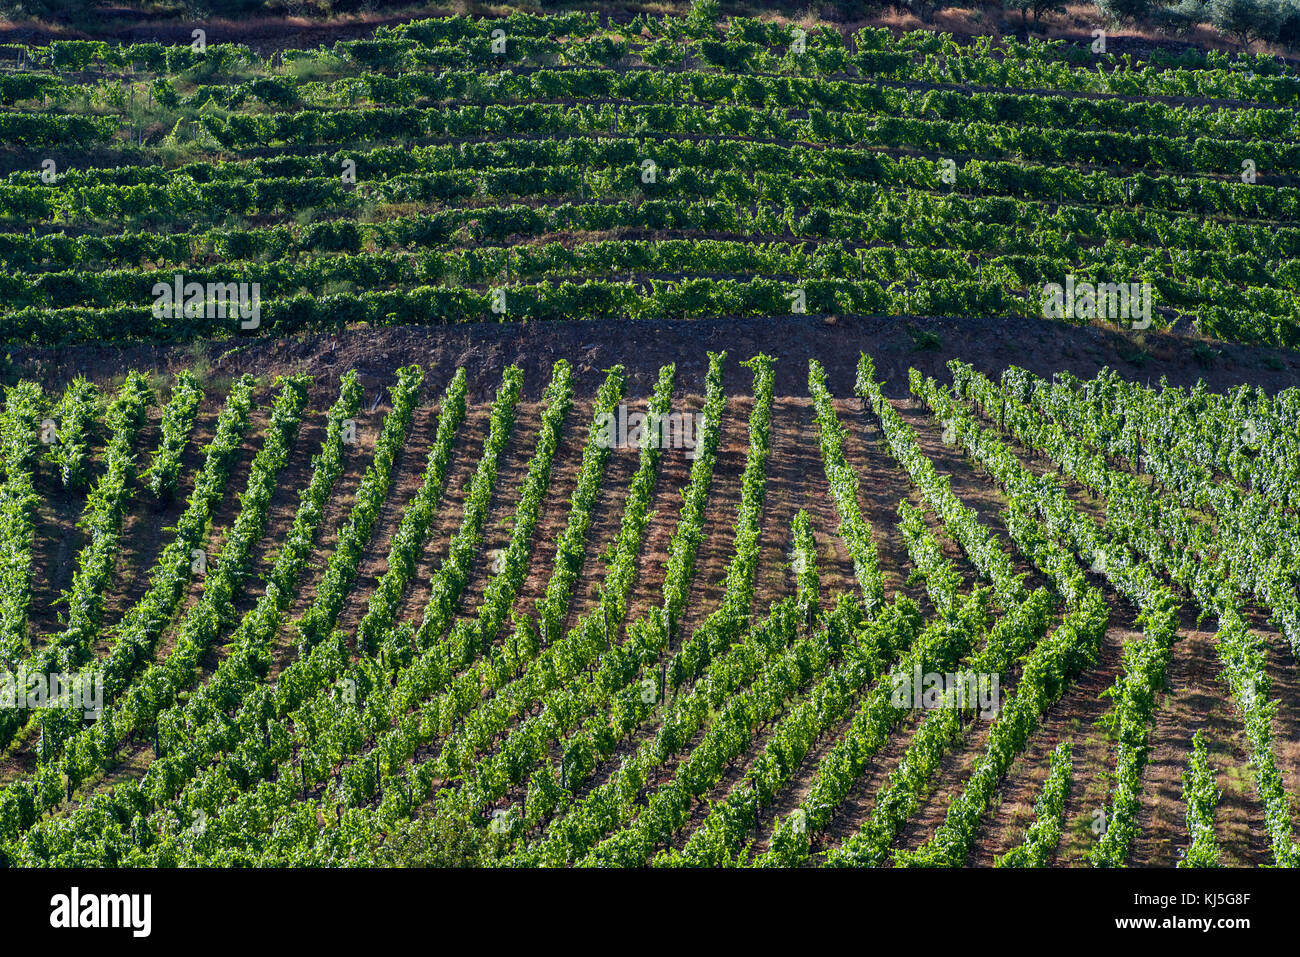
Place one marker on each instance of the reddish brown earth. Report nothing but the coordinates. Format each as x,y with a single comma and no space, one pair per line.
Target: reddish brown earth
643,346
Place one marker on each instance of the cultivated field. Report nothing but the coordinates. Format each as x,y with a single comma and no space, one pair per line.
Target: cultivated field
550,441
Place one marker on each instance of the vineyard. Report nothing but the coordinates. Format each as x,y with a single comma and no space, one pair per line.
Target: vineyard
538,167
408,615
548,441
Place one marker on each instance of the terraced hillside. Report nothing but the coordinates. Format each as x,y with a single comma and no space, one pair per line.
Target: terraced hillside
554,440
537,167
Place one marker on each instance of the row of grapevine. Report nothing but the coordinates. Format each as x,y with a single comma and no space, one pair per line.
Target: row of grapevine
177,422
1049,813
803,562
75,415
843,481
471,637
453,573
989,558
1181,281
942,580
20,425
1200,794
